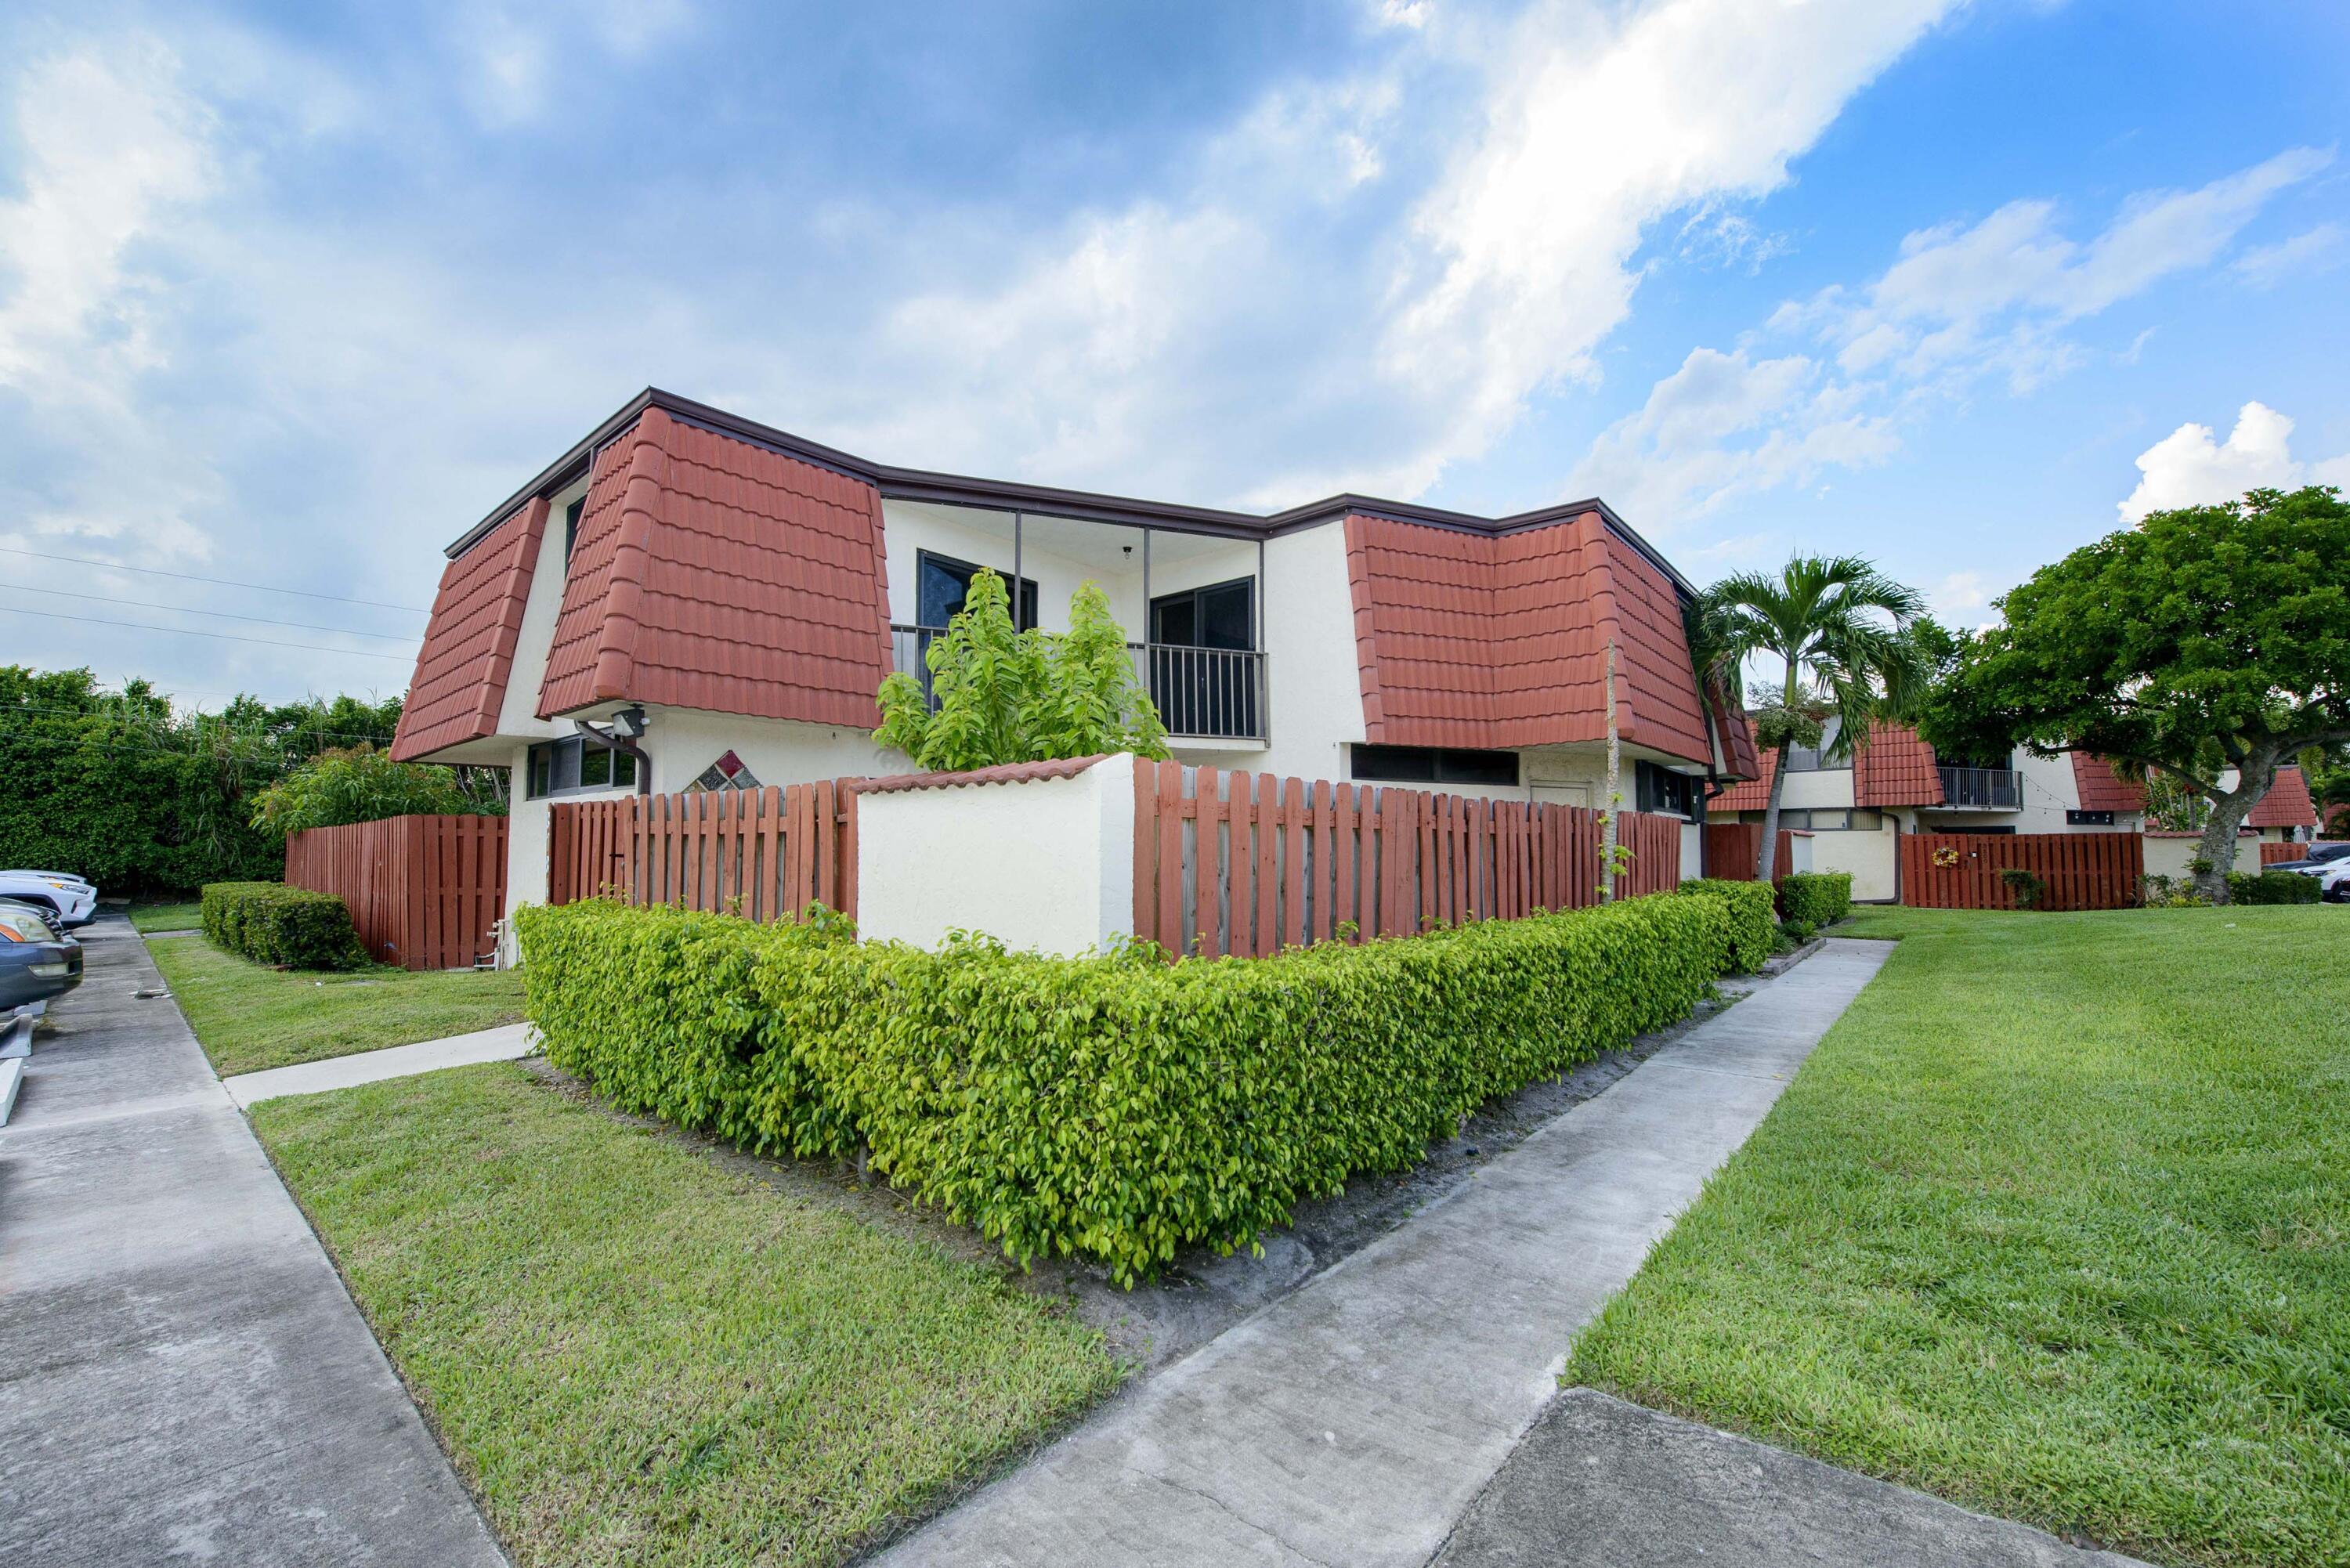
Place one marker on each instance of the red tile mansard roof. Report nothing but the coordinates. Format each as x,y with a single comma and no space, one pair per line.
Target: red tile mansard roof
2100,789
714,574
469,645
1895,768
1497,641
2287,804
1754,795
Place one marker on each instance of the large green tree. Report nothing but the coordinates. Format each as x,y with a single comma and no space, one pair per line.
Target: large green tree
360,783
1840,630
2207,642
1006,696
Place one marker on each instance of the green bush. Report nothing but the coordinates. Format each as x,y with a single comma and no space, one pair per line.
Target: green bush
269,922
1793,934
2030,889
2272,888
1746,905
1818,898
1114,1106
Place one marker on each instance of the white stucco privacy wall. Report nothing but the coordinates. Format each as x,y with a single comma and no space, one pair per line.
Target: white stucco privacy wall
1042,865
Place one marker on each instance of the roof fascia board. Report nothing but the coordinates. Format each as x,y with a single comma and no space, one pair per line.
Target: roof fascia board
1010,495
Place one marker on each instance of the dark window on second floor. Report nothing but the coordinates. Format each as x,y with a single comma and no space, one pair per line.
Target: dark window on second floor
575,765
571,527
1223,615
1433,764
941,582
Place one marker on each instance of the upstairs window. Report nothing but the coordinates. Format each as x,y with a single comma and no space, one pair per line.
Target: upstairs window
571,529
1434,764
577,764
941,582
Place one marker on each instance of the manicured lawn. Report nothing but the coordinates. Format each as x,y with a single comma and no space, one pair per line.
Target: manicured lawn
638,1358
2055,1222
248,1016
172,917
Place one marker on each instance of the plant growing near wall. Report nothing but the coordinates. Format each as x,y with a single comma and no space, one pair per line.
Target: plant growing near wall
359,783
1006,696
2030,892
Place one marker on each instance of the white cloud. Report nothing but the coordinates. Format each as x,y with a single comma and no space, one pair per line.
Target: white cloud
1960,302
2191,467
2314,250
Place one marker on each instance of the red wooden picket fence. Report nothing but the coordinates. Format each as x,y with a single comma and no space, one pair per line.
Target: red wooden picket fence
1242,864
2272,853
764,853
423,892
2081,870
1733,851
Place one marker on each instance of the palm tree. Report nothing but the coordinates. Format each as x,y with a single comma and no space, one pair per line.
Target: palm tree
1839,626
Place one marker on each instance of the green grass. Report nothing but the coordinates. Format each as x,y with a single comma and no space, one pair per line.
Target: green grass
2055,1222
248,1016
172,917
635,1357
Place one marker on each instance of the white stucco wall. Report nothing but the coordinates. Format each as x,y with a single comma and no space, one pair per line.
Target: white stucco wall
518,711
1869,856
1044,866
1692,852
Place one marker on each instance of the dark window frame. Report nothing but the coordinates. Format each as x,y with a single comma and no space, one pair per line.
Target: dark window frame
1660,791
1024,594
544,784
1444,766
1197,598
571,516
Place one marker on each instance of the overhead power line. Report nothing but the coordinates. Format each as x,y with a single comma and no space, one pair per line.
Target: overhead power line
409,637
217,636
216,582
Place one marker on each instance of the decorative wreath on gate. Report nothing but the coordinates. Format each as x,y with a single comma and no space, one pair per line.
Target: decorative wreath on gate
1946,857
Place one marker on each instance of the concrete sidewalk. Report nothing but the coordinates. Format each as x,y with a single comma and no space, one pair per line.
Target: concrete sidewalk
1353,1421
1602,1484
503,1043
183,1377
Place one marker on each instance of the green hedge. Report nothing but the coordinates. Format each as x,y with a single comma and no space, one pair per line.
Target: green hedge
2272,888
1747,907
271,923
1815,897
1116,1107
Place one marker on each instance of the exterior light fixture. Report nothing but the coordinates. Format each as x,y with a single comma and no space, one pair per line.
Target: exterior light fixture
629,724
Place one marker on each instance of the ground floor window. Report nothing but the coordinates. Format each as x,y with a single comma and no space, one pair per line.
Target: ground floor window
1664,792
576,763
1823,821
1433,764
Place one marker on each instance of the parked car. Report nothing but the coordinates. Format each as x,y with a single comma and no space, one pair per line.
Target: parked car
35,961
2321,858
75,900
2333,882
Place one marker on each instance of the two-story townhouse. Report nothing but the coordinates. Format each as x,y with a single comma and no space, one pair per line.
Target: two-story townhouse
736,595
1855,806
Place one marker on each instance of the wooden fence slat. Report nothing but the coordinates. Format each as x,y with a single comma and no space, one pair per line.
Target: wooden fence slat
1145,850
417,897
1207,876
1170,919
1293,854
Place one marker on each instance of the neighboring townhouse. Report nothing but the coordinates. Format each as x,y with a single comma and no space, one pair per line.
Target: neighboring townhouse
737,594
1855,806
2286,814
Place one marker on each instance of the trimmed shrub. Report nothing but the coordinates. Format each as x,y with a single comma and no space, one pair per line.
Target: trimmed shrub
2272,888
1114,1106
1747,909
269,922
1818,898
2030,889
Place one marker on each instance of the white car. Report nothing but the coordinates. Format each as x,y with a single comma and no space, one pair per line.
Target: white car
75,900
2334,883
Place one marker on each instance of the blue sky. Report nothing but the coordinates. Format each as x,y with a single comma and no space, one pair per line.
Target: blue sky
291,296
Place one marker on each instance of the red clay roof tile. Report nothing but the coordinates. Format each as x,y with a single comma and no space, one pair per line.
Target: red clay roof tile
469,645
710,573
2287,804
1006,772
1500,640
2101,789
1754,795
1895,768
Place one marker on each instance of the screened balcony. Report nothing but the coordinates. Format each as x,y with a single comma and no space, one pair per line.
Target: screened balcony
1982,789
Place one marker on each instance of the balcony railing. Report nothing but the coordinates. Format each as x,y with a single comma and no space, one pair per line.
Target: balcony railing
1982,789
1201,693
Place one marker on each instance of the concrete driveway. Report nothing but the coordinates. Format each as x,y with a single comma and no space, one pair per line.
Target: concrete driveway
183,1377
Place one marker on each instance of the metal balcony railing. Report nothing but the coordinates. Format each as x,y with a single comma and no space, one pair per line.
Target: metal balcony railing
1982,789
1201,693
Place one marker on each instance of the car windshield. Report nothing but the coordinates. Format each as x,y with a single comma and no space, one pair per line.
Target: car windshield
2322,853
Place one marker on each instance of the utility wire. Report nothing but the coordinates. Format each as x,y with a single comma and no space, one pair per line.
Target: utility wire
409,637
219,636
216,582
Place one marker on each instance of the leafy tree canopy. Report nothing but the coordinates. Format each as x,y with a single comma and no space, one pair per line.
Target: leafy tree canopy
1006,696
2206,639
359,783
